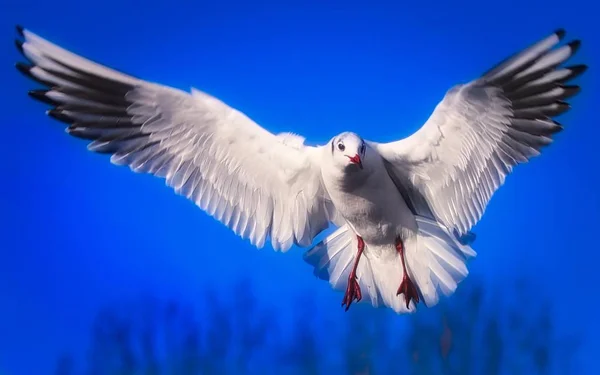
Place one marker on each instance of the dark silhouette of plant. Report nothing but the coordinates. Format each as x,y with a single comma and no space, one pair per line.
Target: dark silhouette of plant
301,354
153,337
474,332
500,336
364,340
252,326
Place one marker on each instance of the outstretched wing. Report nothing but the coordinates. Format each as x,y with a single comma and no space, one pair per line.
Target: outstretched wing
450,168
259,184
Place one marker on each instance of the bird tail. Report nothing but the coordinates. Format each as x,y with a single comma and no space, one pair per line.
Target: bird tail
435,260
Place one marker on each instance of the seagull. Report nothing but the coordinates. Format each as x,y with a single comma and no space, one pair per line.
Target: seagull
402,212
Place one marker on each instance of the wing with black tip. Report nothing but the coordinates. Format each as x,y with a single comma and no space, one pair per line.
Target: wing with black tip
259,184
452,165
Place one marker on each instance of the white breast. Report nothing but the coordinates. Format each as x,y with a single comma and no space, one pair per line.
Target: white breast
371,204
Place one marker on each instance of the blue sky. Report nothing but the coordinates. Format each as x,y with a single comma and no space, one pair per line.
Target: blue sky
79,232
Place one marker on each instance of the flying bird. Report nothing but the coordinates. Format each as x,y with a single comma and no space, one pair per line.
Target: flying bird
403,211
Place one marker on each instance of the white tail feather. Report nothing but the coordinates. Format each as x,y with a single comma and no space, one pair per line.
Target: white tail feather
436,262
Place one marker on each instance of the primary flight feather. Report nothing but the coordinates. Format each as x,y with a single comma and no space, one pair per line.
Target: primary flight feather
403,209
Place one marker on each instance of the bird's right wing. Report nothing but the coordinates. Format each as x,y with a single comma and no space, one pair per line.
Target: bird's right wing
450,168
258,184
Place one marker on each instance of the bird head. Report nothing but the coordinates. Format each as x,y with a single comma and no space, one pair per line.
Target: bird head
349,151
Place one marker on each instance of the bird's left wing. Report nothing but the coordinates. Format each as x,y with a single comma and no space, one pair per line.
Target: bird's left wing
450,168
259,184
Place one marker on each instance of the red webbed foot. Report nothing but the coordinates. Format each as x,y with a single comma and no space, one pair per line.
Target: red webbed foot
409,290
407,287
352,292
353,289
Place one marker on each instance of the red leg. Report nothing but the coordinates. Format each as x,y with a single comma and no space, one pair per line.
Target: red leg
353,289
406,286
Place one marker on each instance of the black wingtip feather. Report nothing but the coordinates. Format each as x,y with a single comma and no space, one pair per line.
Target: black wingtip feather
562,107
560,33
570,90
58,115
19,45
577,70
20,30
79,133
558,127
574,45
24,69
40,95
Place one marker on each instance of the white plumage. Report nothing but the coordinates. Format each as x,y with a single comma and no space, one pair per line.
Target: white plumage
412,200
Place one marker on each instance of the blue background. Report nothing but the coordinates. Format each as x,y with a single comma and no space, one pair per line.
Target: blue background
79,234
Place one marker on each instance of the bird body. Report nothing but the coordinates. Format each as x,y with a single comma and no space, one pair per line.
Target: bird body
374,210
367,196
402,209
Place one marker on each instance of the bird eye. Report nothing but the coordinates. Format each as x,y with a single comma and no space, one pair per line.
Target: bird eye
362,149
341,146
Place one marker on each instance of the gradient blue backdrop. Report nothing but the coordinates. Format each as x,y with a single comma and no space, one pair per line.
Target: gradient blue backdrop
78,232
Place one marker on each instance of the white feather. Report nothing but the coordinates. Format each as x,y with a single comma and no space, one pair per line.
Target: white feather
480,131
436,261
259,184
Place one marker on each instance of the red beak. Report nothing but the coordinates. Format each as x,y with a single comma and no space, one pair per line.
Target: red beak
356,160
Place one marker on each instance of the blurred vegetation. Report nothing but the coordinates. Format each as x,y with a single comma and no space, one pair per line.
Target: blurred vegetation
476,331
